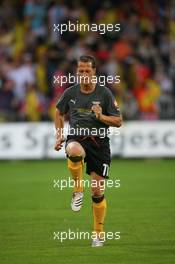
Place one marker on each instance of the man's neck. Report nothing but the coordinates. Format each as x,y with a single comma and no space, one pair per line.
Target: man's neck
87,88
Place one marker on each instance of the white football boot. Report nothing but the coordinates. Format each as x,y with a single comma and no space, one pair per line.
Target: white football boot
77,201
97,242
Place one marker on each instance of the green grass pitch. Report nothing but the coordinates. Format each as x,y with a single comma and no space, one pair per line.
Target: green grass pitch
142,209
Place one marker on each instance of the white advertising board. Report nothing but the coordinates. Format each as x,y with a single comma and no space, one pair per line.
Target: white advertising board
136,139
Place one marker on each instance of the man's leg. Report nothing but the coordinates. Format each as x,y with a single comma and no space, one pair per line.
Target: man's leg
76,156
98,203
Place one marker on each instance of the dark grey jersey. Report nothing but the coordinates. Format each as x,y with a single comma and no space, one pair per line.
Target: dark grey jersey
79,105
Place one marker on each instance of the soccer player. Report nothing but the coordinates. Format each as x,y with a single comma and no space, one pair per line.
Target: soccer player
92,108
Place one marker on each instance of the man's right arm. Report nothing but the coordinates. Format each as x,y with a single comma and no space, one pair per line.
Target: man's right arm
62,108
59,125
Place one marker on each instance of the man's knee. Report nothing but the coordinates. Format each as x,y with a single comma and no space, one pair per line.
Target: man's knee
97,186
97,192
75,151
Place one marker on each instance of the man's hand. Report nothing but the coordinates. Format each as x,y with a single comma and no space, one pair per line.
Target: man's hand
59,143
59,139
97,110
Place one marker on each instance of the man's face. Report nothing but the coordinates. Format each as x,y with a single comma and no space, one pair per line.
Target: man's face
85,72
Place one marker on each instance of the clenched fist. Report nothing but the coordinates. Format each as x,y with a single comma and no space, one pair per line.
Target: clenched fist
97,110
59,143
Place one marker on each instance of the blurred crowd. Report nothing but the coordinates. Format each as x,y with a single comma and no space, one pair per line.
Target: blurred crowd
142,54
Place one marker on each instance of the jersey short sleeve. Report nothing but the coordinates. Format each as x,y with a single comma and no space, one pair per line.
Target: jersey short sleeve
63,101
112,107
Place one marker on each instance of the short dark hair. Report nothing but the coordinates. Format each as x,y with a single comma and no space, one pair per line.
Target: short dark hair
88,58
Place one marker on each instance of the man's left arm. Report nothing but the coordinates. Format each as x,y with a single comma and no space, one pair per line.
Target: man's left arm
113,116
115,121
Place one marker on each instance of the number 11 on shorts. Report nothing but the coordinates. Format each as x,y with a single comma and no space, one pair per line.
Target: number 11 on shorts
105,169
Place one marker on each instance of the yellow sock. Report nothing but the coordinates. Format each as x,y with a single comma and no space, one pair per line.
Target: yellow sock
76,169
99,213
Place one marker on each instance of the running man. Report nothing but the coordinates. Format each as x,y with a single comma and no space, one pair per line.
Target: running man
92,108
